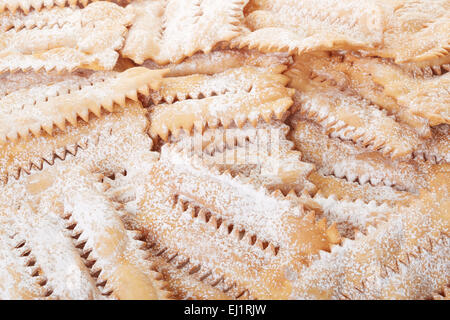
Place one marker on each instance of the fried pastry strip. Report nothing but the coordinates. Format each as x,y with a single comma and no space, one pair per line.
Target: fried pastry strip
350,73
304,26
342,189
23,112
53,252
219,61
362,269
236,95
237,235
416,30
102,144
75,239
427,98
50,17
28,5
437,148
39,242
406,258
183,280
428,68
50,39
262,155
19,81
168,31
344,159
105,143
118,257
352,217
18,280
350,117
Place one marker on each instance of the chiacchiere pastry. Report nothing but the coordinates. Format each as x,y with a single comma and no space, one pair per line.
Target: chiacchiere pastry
206,149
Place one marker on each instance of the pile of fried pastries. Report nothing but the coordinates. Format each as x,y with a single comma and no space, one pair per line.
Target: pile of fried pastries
209,149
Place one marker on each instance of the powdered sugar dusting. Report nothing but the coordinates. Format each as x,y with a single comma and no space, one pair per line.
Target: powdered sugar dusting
351,216
52,41
387,263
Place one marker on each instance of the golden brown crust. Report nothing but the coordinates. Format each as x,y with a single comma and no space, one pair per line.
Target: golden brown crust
18,280
350,117
101,143
220,60
119,259
72,253
244,173
427,98
342,159
46,40
155,33
184,280
30,115
261,155
428,68
436,149
204,223
417,235
415,30
304,26
350,73
236,95
342,189
29,5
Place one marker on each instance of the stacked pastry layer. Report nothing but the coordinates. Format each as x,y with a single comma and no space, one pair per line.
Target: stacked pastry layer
210,149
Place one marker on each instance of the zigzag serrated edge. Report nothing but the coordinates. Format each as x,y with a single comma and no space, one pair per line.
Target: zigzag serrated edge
32,62
187,268
207,91
222,225
156,99
225,228
443,294
106,103
180,263
345,131
355,187
26,63
385,270
293,43
405,259
89,256
302,200
239,140
40,23
232,31
364,179
199,125
37,67
26,253
39,163
213,121
379,218
27,6
429,71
